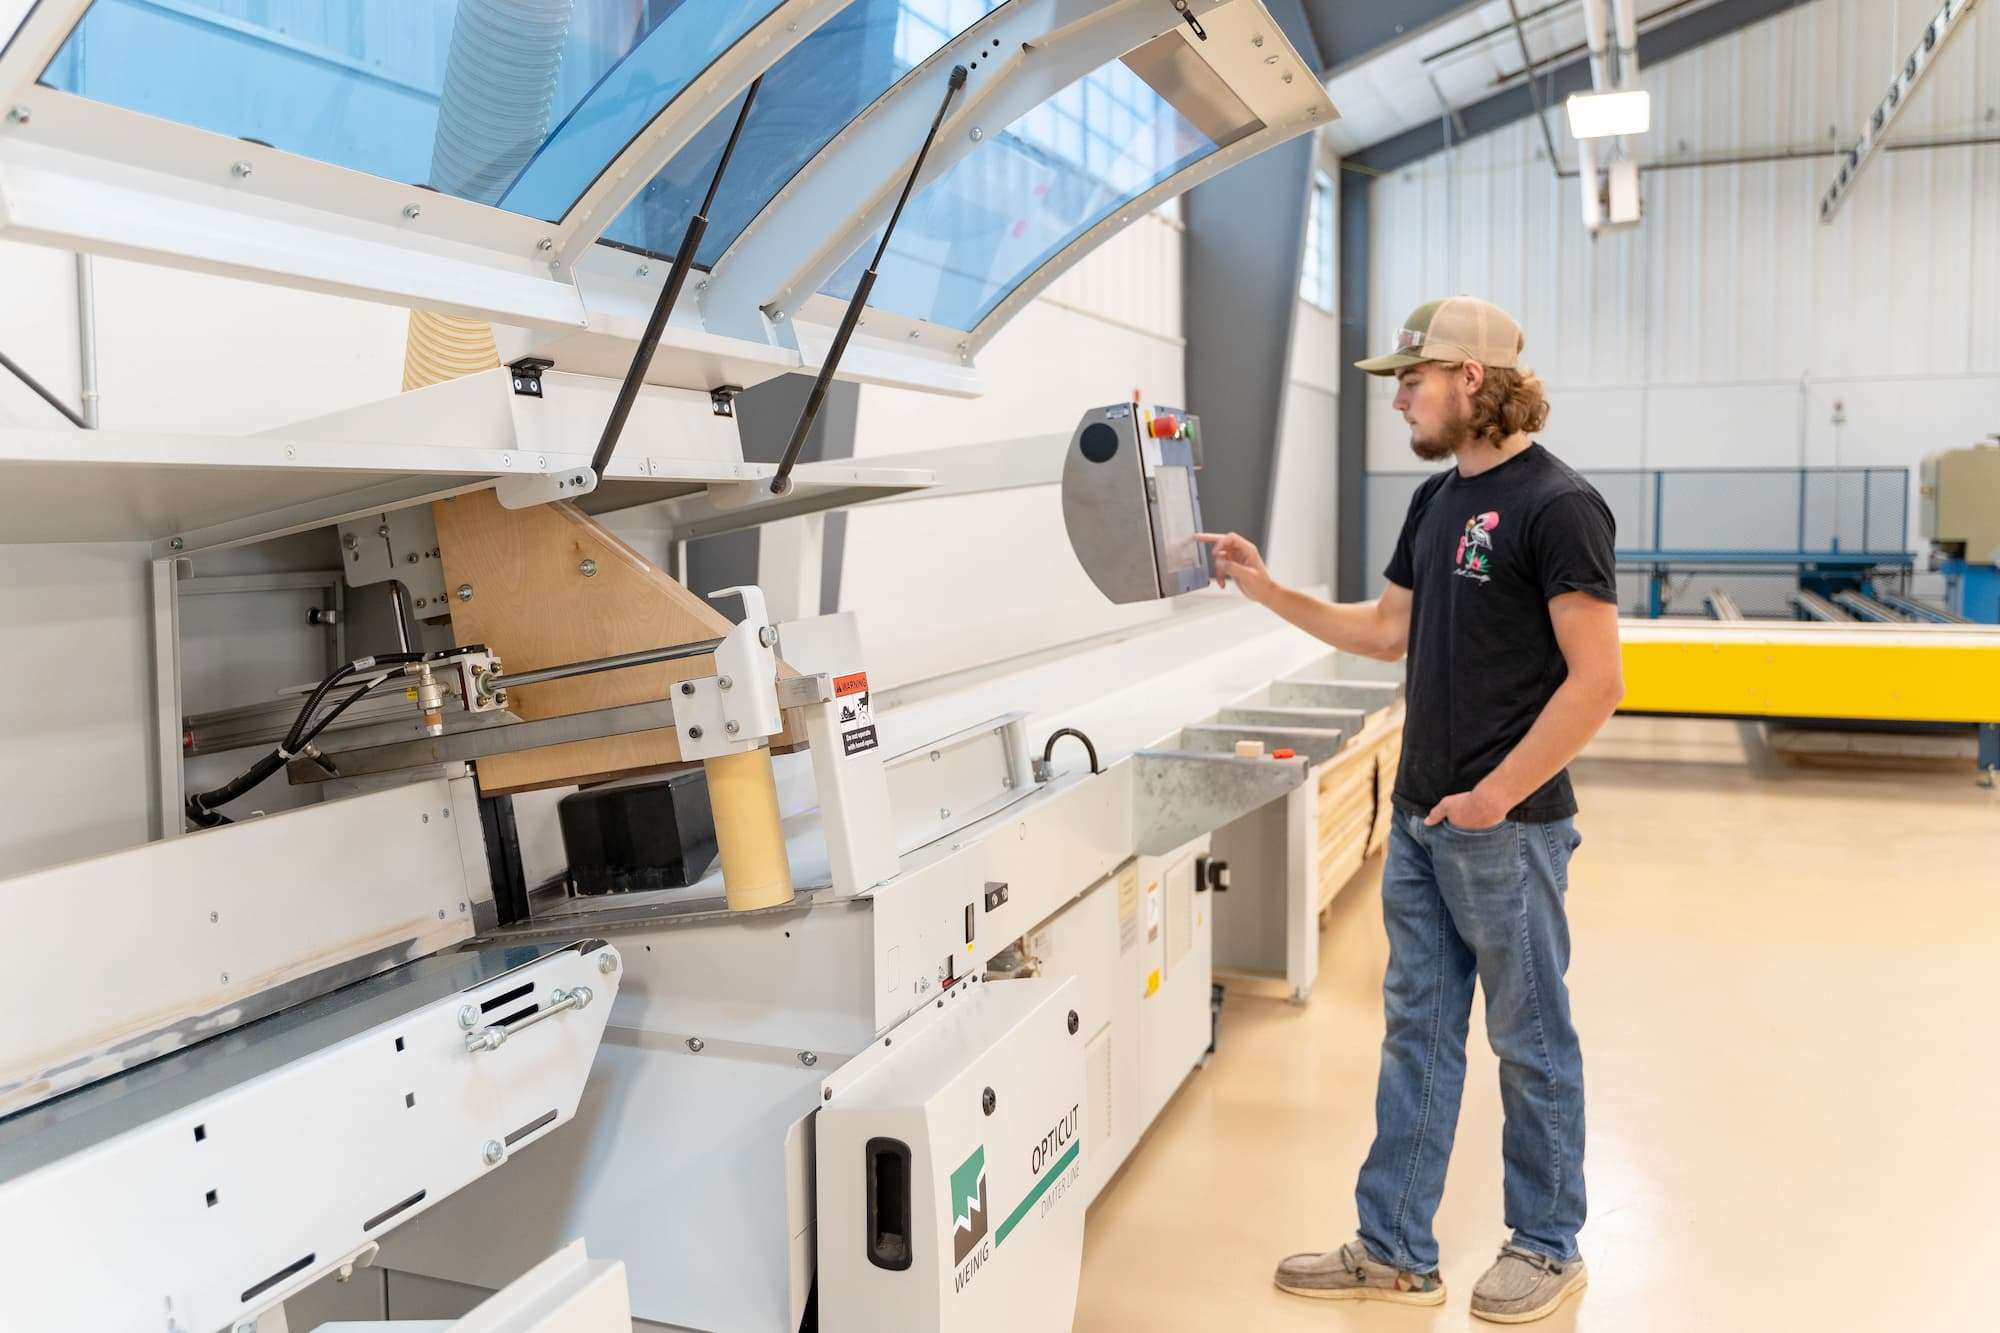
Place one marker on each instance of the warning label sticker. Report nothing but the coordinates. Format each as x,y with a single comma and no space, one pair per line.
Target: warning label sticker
857,719
854,684
1128,910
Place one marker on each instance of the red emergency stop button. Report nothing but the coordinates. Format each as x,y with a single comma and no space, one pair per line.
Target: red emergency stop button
1166,426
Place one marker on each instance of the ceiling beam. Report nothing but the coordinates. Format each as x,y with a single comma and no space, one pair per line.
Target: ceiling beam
1517,103
1348,33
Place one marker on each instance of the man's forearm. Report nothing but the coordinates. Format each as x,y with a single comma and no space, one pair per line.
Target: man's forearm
1352,627
1572,716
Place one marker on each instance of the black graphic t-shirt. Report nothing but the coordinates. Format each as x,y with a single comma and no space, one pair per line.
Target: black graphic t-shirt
1482,556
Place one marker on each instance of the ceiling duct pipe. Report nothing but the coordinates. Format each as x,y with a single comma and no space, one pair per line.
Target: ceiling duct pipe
1628,44
1597,33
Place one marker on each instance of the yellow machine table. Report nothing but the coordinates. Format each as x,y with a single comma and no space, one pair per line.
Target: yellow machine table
1805,670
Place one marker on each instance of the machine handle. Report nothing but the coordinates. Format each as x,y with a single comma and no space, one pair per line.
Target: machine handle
493,1038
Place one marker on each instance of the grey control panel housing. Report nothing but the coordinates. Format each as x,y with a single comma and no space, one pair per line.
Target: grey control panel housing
1131,505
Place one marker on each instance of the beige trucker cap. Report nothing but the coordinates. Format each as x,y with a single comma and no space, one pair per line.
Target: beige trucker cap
1458,328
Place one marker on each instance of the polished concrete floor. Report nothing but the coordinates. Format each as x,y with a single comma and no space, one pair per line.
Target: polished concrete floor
1788,987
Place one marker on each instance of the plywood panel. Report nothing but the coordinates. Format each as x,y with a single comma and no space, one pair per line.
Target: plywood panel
532,605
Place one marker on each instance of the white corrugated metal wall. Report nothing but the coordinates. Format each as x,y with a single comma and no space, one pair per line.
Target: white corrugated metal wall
1724,330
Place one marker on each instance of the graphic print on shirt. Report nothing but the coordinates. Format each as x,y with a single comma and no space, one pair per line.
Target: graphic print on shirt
1475,547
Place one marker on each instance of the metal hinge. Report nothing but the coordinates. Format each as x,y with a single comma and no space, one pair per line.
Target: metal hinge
528,374
723,399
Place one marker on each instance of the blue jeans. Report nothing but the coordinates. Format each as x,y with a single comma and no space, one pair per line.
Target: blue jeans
1461,904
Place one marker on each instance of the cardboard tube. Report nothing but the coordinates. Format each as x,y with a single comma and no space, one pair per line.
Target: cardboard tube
744,794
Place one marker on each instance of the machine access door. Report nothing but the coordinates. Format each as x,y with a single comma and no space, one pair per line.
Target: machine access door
950,1164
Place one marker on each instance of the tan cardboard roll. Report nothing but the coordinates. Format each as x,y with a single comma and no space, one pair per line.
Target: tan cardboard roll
755,871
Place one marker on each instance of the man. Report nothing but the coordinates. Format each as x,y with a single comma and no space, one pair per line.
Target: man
1502,591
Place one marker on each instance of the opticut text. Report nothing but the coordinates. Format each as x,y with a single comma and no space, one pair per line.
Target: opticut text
1054,1142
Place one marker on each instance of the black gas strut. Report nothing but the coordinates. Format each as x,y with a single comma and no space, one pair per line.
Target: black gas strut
635,375
782,482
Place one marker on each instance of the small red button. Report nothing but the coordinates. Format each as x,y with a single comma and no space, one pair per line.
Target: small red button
1284,754
1166,426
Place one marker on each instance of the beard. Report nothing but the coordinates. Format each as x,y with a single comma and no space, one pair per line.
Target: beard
1446,440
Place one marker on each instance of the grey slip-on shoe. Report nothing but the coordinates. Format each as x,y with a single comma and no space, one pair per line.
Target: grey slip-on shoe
1523,1286
1350,1273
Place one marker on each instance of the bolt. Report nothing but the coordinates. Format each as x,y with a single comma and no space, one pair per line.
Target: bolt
494,1153
20,115
696,1045
943,813
977,134
413,211
382,530
426,816
694,733
177,544
214,917
410,559
731,727
241,170
768,637
1287,76
913,335
607,962
724,682
465,592
1258,40
645,270
422,603
1072,1022
350,541
935,756
588,568
808,1059
468,1015
546,244
446,812
987,1101
687,687
225,978
440,914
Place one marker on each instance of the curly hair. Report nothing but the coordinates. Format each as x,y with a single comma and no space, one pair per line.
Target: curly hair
1507,402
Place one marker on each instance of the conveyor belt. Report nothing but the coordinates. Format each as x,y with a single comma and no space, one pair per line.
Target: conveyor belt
1867,608
1815,607
1927,612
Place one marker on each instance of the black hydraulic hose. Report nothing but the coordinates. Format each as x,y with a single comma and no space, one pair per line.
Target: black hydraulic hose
656,325
22,375
201,807
782,482
338,709
1049,750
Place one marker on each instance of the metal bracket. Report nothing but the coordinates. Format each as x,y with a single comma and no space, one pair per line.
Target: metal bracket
723,399
399,544
525,491
528,375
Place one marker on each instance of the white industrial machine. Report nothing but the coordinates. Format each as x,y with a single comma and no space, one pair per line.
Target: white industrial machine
865,1073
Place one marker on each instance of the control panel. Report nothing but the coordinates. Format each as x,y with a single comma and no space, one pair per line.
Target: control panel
1130,501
